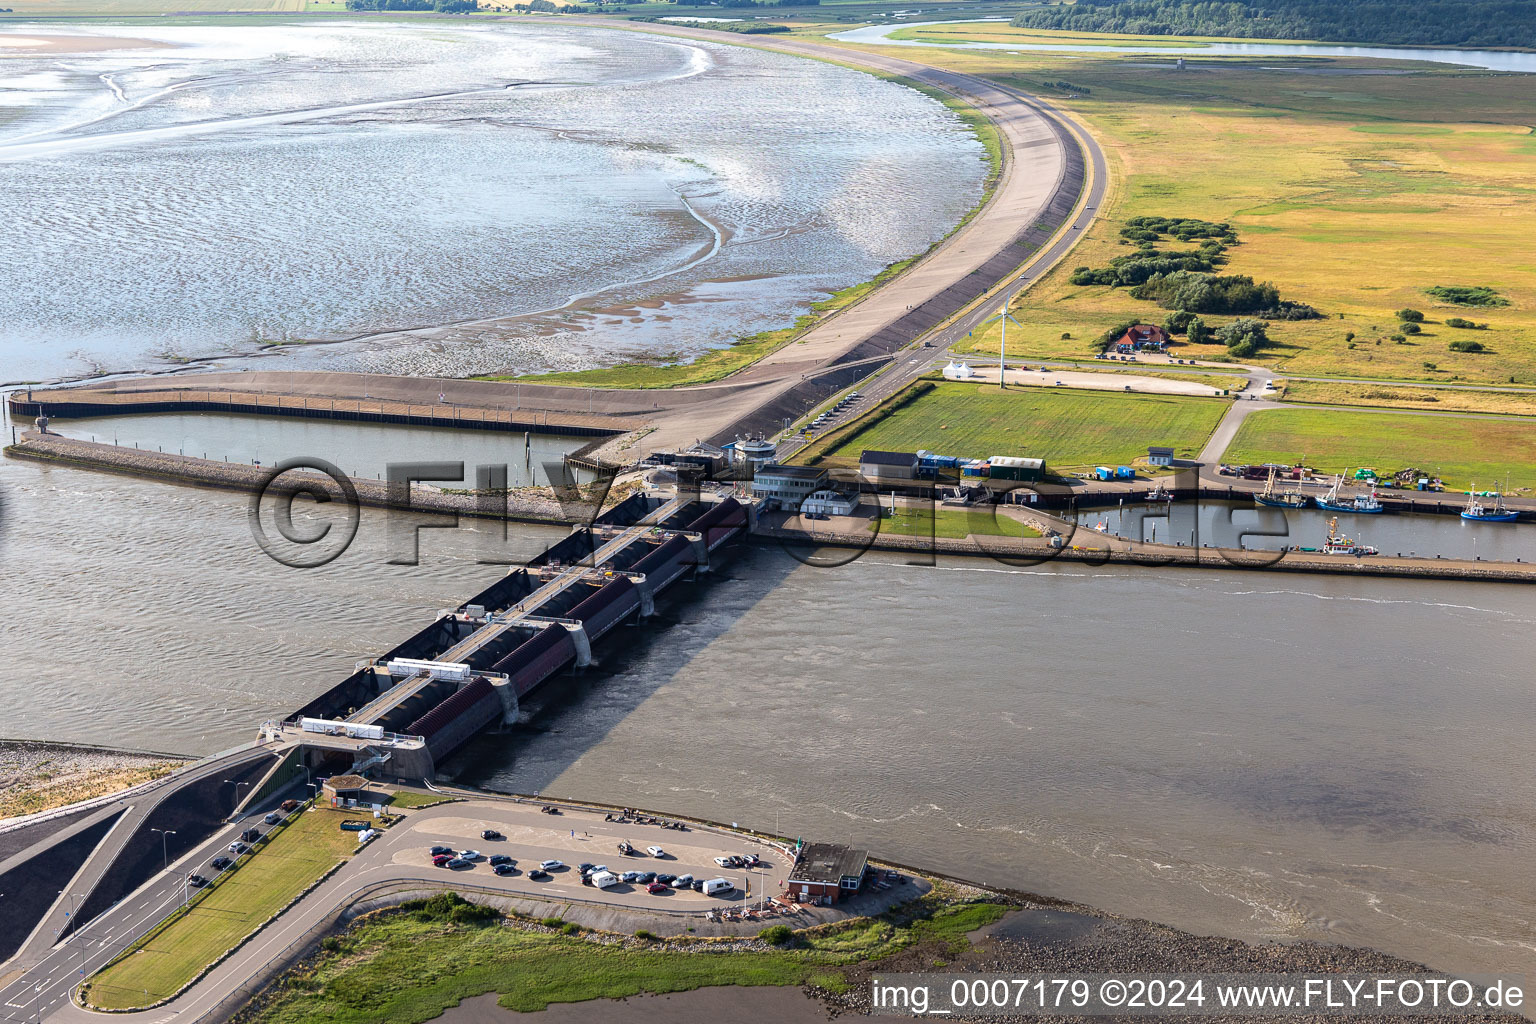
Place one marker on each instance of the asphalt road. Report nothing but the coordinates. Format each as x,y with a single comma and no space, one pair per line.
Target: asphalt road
399,855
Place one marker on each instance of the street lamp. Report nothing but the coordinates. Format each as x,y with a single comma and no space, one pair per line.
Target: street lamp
164,849
237,786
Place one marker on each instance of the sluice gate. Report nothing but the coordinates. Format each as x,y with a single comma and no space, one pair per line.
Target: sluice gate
472,666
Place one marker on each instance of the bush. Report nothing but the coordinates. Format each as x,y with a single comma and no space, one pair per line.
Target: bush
1466,346
1465,325
646,934
1409,327
1199,334
551,922
1178,321
1401,339
1466,295
1429,365
1349,335
1245,337
451,907
570,928
1066,335
1411,316
776,934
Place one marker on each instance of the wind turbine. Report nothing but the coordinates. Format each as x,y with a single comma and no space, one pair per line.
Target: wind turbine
1002,317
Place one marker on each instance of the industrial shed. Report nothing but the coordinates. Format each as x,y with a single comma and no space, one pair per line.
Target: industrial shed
1007,467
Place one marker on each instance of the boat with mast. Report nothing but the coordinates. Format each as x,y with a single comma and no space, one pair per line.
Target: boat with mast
1333,501
1481,513
1271,498
1338,544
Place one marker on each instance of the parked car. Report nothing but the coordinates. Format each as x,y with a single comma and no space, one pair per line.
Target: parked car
220,863
666,879
655,888
441,860
585,867
538,874
506,868
630,877
751,860
724,862
646,877
599,867
682,882
718,887
501,858
460,862
491,833
697,885
273,818
551,865
655,851
471,855
196,881
440,849
237,848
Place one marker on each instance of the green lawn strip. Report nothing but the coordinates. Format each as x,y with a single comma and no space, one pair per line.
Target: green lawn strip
220,917
1461,451
409,965
951,523
407,800
1065,427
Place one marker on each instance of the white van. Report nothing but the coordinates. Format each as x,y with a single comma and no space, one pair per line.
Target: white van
718,887
605,879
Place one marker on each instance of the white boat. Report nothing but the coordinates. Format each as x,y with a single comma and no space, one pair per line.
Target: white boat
1338,544
1333,501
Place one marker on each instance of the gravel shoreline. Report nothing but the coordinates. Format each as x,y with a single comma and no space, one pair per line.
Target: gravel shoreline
38,775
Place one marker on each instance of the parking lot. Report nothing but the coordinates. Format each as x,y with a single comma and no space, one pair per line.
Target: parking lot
574,838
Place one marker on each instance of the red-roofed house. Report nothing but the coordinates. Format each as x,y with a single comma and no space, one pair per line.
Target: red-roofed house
1143,338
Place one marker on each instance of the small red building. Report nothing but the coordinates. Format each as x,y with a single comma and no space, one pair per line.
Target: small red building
1143,338
826,872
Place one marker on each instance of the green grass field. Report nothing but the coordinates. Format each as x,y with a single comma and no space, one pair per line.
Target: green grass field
263,884
951,523
1351,192
409,967
406,800
1461,451
1067,428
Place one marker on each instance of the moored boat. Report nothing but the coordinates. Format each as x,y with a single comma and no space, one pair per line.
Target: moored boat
1481,513
1271,498
1333,501
1338,544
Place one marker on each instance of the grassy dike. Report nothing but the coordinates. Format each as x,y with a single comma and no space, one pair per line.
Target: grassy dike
219,918
720,363
410,963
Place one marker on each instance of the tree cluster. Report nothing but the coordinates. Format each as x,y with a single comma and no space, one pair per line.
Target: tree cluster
1416,22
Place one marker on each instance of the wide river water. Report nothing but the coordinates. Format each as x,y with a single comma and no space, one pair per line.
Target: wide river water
1230,752
510,197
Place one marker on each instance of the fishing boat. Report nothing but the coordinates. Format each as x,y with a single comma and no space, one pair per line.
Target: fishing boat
1160,493
1271,498
1338,544
1333,501
1483,514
